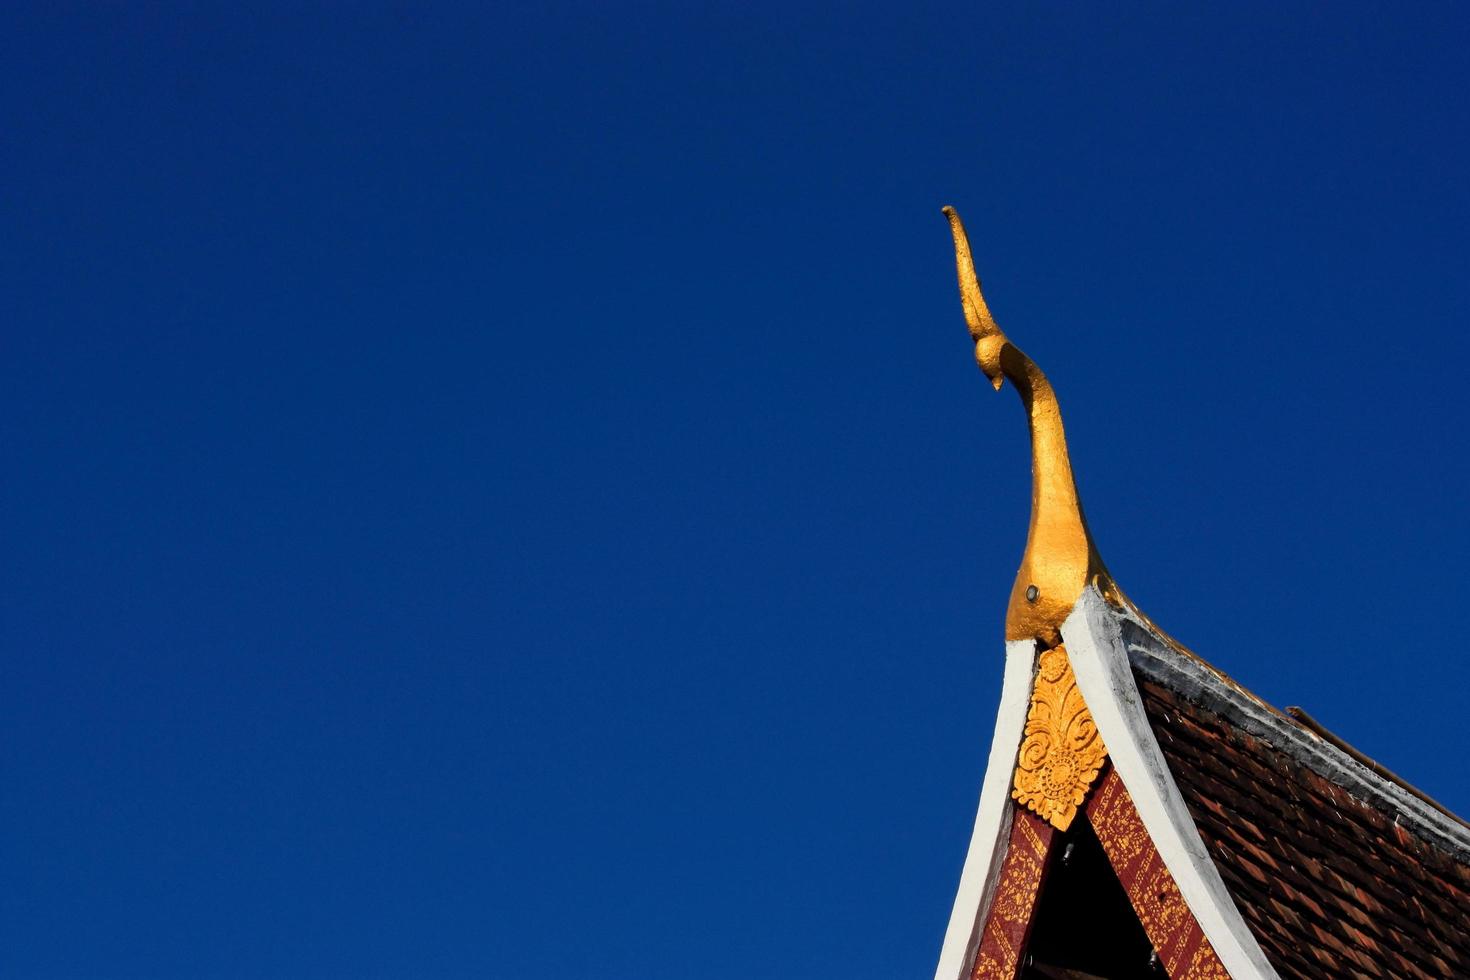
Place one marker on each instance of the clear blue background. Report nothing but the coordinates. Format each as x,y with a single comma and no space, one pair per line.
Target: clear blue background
506,492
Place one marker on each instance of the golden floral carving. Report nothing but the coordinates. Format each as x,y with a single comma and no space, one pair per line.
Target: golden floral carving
1062,752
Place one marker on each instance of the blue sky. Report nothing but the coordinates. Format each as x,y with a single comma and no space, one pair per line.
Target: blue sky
505,492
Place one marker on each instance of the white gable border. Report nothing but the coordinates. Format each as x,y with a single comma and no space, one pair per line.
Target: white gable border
991,836
1100,662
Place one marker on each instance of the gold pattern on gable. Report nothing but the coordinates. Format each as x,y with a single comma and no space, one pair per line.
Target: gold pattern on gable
1062,752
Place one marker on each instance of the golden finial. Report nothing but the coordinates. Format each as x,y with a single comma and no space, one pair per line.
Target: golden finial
1062,752
1060,558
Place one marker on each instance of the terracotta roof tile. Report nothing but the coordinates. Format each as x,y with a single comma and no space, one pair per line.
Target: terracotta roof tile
1329,885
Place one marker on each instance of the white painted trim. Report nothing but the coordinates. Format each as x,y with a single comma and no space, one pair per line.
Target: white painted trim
1198,682
991,836
1099,659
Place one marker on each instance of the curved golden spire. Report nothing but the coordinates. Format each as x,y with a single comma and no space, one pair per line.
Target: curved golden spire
1060,557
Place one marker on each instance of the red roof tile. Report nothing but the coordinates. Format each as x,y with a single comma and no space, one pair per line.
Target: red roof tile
1331,885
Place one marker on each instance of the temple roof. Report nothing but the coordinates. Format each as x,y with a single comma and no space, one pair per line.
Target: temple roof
1338,870
1249,843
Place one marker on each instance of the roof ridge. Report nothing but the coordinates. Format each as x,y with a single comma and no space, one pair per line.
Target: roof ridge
1299,715
1166,662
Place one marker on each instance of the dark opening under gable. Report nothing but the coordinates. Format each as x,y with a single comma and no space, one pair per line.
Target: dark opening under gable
1084,925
